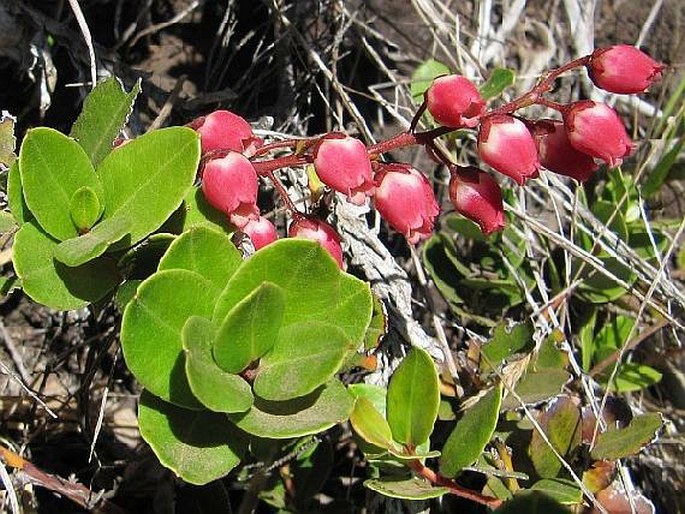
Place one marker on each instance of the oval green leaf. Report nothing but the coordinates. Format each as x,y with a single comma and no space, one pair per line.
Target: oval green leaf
315,289
617,443
53,167
562,490
471,433
81,249
104,113
217,390
306,355
206,252
424,75
146,179
151,331
533,502
250,329
371,425
562,425
15,195
405,488
199,446
499,80
84,208
413,399
52,283
316,412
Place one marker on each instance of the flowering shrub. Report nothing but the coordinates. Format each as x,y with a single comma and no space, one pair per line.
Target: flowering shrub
235,351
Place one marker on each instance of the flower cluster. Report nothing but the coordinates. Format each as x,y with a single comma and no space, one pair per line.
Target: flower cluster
584,134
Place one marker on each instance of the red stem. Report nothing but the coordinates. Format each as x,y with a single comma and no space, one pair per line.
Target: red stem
454,488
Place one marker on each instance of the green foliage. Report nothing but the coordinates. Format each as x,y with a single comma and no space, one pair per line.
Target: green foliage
413,399
562,426
617,443
411,488
424,75
89,202
267,363
471,433
499,80
105,111
200,446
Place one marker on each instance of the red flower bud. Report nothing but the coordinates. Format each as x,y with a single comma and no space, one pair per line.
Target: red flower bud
319,231
595,129
405,199
454,101
558,155
224,130
341,162
506,144
623,69
476,195
230,185
261,232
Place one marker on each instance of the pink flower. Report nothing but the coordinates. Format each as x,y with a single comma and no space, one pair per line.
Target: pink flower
341,162
261,232
230,185
506,144
623,69
558,155
224,130
595,129
319,231
454,101
405,199
476,195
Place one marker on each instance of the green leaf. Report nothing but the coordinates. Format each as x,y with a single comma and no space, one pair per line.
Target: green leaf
206,252
471,434
442,270
617,443
371,425
657,177
562,425
372,392
217,390
105,112
413,399
151,331
53,167
632,376
612,336
250,329
562,490
538,386
125,293
199,446
8,142
143,259
54,284
7,222
507,342
550,355
305,356
314,286
424,75
533,502
146,179
84,208
499,80
79,250
378,326
598,288
15,195
405,488
316,412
